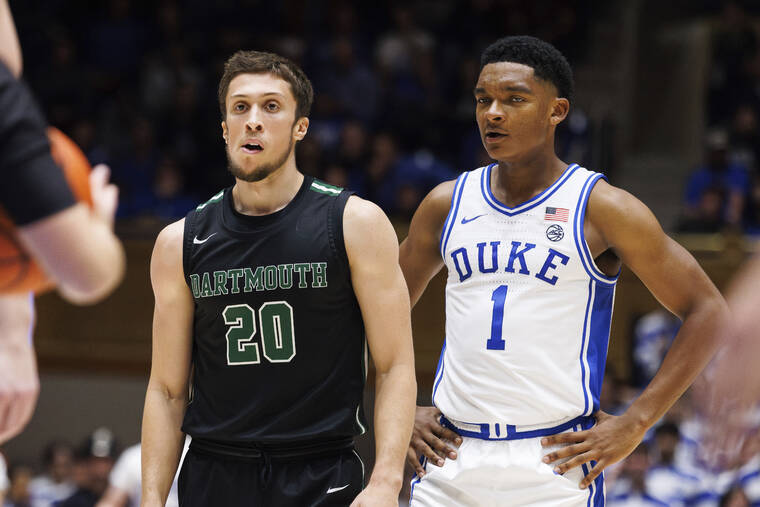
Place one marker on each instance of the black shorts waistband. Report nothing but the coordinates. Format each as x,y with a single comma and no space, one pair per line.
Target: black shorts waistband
265,451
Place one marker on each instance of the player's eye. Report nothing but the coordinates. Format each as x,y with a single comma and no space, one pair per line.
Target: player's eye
516,98
272,107
482,100
239,107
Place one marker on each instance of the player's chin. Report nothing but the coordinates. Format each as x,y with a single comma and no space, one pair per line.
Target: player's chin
498,151
250,173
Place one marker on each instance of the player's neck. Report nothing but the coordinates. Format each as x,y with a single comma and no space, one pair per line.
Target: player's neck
270,194
514,182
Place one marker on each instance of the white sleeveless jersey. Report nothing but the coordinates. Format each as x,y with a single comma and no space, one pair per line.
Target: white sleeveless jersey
527,311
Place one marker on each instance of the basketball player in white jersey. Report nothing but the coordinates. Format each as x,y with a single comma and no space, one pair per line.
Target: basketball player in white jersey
533,247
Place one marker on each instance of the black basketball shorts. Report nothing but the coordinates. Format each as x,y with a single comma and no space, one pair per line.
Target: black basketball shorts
333,478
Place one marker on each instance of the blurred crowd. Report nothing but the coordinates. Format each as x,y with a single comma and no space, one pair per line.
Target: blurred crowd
679,464
724,192
134,83
682,460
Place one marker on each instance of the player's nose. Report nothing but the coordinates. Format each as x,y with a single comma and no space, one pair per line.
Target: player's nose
494,113
253,121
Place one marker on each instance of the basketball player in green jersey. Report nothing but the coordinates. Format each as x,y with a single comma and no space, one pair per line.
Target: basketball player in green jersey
268,290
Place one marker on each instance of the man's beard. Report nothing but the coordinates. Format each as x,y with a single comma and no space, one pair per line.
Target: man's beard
262,171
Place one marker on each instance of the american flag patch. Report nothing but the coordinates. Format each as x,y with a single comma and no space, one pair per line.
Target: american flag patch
557,214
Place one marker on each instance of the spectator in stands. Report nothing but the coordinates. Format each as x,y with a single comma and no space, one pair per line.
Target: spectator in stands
716,191
18,494
665,481
630,489
56,483
94,462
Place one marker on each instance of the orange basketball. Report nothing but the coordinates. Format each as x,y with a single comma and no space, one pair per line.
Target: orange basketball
18,271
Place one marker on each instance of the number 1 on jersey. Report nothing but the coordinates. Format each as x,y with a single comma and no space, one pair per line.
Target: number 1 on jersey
499,296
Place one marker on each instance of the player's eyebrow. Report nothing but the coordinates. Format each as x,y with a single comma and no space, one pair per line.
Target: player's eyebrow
518,89
508,88
265,94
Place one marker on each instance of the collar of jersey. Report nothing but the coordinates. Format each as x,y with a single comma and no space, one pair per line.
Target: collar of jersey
485,188
239,223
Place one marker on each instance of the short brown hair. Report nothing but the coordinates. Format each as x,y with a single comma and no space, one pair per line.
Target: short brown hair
261,62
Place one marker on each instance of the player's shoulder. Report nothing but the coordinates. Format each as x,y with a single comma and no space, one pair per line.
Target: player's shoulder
362,216
608,202
441,194
168,245
172,233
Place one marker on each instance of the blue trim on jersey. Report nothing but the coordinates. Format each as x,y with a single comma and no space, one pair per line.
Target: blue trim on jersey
580,237
416,480
451,218
586,320
512,433
439,370
596,354
485,188
584,468
596,488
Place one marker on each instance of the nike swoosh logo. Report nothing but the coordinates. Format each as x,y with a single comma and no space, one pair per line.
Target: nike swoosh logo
468,220
197,241
333,490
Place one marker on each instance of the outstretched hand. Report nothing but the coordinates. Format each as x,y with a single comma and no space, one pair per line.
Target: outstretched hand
610,440
431,439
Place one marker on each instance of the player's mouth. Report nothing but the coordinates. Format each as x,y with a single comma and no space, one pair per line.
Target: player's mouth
252,147
494,136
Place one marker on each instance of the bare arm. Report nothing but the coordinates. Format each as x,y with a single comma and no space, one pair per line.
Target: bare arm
420,259
10,50
77,246
675,278
19,383
419,254
167,394
677,281
381,292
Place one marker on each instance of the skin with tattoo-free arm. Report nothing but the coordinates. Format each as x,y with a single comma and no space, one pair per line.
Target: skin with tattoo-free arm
167,393
624,224
372,248
420,260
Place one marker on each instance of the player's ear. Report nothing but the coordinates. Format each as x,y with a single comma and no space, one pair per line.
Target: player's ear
301,127
559,109
225,132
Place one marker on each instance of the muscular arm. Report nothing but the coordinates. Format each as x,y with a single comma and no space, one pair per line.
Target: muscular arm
372,249
166,397
673,276
420,260
419,254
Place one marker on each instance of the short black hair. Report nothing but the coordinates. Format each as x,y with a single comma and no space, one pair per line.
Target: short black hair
546,60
